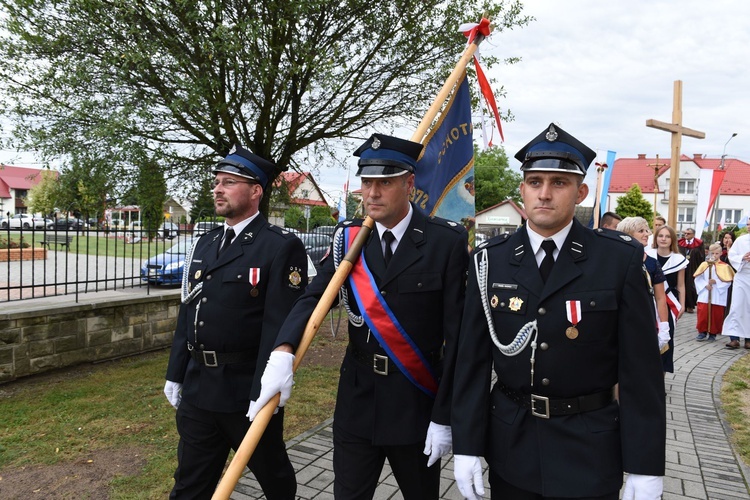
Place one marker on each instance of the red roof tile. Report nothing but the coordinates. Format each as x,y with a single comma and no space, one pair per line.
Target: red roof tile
629,171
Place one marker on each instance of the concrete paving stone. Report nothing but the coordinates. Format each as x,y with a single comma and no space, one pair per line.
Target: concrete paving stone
700,463
308,474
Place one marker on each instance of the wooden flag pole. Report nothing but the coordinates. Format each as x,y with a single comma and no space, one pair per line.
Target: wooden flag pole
258,425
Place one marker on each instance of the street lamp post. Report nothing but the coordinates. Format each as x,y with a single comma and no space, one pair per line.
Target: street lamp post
718,192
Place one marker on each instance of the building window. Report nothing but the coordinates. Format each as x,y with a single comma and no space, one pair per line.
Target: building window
730,216
687,187
685,214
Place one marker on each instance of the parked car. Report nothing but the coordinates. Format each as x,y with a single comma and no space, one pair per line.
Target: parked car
316,246
69,224
169,230
202,228
25,221
3,222
167,268
327,230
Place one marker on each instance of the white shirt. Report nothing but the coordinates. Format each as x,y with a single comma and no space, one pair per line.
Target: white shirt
398,230
239,227
536,239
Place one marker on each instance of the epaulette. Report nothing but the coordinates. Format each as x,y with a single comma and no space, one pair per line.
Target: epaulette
350,223
495,240
446,223
613,234
281,231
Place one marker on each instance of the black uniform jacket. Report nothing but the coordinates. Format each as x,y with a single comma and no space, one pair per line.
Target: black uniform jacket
584,454
424,286
232,315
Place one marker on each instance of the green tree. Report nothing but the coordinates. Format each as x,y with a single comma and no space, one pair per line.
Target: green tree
179,83
633,204
321,216
42,197
203,205
151,193
83,186
294,217
494,181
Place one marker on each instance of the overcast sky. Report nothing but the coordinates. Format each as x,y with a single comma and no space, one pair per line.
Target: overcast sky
601,69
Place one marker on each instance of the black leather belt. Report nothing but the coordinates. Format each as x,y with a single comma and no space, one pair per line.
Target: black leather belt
546,407
382,364
213,359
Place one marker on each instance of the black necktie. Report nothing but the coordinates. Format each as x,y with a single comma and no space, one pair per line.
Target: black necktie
388,238
549,259
228,237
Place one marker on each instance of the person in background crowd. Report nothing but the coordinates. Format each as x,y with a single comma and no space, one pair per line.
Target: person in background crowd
659,221
609,220
712,280
242,279
673,264
637,227
727,240
692,248
737,323
562,313
404,299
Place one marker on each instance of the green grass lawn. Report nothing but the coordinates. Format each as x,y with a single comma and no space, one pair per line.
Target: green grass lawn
98,243
121,404
735,400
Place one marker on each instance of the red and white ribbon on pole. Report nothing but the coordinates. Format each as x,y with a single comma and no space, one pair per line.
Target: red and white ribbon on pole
471,30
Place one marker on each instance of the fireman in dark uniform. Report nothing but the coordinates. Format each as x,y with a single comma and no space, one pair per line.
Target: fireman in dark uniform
563,314
404,302
241,281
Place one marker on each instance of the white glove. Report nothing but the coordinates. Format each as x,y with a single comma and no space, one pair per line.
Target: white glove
638,487
663,334
173,392
438,442
468,473
278,377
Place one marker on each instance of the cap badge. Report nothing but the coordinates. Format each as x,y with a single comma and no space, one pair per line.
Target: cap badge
551,134
375,143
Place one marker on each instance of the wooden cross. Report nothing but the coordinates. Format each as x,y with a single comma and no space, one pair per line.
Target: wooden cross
677,131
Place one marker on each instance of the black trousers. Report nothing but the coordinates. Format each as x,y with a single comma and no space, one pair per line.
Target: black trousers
357,465
205,440
502,490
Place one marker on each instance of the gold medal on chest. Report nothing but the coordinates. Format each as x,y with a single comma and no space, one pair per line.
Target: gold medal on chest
571,332
515,303
198,274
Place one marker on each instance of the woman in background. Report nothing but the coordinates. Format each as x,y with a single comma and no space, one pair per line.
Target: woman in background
637,227
665,250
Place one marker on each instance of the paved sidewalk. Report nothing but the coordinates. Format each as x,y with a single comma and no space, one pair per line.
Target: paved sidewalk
701,463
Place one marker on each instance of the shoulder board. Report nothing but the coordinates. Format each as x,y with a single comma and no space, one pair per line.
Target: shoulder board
446,223
495,240
220,227
350,223
615,235
280,231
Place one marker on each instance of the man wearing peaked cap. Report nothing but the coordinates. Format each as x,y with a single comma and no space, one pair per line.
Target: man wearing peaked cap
555,150
563,314
404,299
242,163
242,280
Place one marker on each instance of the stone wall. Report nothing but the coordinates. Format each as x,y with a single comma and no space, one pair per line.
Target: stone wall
53,334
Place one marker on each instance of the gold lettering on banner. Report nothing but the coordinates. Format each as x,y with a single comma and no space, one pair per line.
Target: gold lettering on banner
453,135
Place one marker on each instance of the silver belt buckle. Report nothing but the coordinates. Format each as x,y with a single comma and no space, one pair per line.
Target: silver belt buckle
542,399
384,359
213,363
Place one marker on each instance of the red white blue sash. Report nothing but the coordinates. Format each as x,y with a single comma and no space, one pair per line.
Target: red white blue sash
674,306
385,327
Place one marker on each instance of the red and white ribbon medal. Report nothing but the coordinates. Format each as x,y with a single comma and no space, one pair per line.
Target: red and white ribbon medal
573,308
254,278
